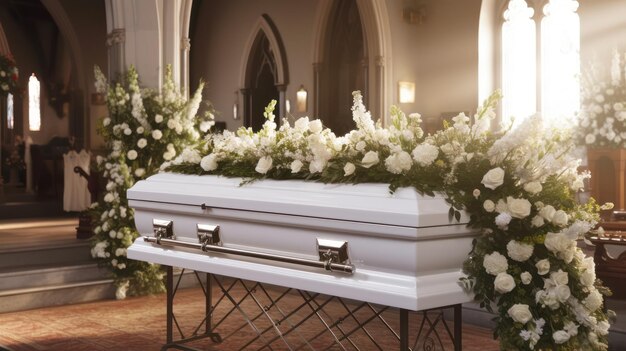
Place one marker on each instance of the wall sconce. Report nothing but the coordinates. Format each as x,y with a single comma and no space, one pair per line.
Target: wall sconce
236,106
288,106
301,97
406,92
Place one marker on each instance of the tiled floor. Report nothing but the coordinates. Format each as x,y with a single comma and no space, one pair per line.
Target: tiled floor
139,324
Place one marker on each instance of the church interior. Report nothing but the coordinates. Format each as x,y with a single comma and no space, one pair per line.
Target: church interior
217,64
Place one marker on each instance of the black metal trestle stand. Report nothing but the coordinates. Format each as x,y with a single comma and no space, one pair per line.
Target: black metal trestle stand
254,316
171,320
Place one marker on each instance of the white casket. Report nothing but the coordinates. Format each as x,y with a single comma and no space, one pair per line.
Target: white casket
402,250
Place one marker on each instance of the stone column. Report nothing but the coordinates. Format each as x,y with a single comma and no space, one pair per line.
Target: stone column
185,47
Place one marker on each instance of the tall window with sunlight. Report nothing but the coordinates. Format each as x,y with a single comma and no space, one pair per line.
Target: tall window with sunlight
557,86
560,61
10,115
518,62
34,108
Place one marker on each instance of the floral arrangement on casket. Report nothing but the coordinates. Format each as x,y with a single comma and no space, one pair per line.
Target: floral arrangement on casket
8,75
518,187
602,117
144,129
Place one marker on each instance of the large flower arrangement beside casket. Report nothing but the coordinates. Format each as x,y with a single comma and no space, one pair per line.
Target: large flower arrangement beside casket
518,187
602,118
8,75
144,128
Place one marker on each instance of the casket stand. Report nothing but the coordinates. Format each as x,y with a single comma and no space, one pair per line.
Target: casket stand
356,242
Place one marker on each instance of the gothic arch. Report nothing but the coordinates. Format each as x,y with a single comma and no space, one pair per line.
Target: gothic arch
377,34
4,43
264,28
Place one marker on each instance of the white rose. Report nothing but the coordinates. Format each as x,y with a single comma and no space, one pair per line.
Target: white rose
503,219
489,206
562,293
132,154
602,328
588,278
141,143
556,242
106,121
209,162
399,162
519,251
296,166
504,283
109,197
501,206
559,277
158,118
593,301
112,234
543,266
168,155
590,139
533,187
425,154
139,172
302,124
317,166
520,313
560,218
495,263
157,134
547,212
348,169
526,278
494,178
370,159
127,131
518,208
264,164
537,221
315,126
560,336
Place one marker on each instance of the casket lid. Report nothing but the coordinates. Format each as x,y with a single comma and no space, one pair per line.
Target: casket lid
368,203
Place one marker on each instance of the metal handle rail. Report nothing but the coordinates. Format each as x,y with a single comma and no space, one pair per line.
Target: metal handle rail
327,265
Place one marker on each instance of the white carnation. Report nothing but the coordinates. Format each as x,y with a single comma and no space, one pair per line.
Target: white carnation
533,187
425,154
109,197
519,251
503,219
141,143
139,172
593,301
209,162
398,162
158,118
495,263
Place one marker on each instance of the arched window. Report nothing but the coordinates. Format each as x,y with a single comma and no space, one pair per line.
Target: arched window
552,77
34,108
10,114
